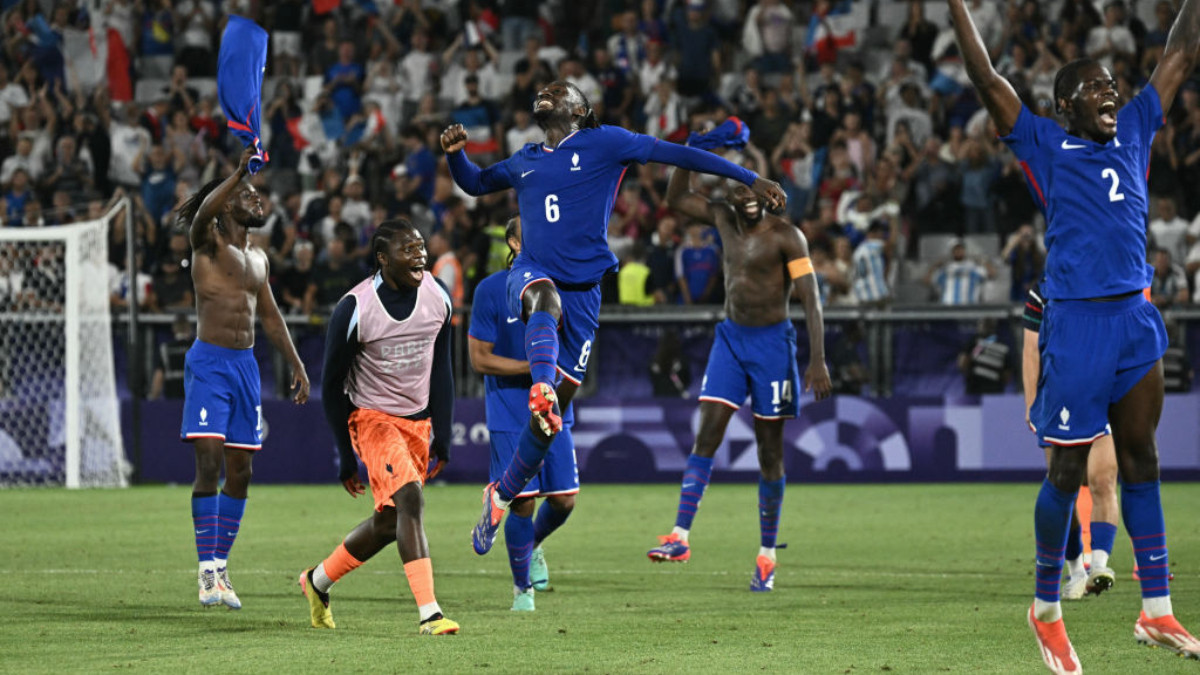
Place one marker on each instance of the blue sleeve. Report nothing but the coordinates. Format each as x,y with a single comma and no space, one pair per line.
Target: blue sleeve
1027,134
1144,112
699,160
476,181
441,394
483,314
341,344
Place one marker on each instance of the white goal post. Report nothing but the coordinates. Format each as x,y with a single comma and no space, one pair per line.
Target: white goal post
59,411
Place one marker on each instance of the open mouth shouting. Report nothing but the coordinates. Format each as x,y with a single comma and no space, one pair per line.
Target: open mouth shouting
1108,115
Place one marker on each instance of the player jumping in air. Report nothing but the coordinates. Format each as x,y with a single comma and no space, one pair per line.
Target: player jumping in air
386,383
753,353
497,349
1101,342
565,188
222,416
1101,496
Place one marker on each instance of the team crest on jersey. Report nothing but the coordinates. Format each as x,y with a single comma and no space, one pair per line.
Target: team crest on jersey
575,161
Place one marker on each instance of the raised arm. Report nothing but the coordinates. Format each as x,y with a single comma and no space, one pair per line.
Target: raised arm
799,266
998,95
700,160
1179,56
467,174
201,226
681,199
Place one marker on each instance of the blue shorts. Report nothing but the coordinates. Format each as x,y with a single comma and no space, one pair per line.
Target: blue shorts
221,390
559,475
580,316
1092,354
759,362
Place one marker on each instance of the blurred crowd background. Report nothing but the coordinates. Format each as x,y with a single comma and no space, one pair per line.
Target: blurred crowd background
862,111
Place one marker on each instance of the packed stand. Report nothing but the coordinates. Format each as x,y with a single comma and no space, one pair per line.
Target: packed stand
863,112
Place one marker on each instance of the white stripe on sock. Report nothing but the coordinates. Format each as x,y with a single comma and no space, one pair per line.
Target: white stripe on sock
321,581
429,610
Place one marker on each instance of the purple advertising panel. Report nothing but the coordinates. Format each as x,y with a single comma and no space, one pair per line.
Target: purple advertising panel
843,439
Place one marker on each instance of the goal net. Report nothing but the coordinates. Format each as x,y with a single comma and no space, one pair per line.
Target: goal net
59,413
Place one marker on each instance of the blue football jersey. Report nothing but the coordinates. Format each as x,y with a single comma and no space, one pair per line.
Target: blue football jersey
506,398
566,197
1094,198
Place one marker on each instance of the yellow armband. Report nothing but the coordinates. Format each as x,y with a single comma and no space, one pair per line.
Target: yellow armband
799,267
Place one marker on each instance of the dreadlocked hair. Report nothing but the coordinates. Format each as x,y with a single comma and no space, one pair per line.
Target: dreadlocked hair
510,232
1067,79
589,120
383,237
187,212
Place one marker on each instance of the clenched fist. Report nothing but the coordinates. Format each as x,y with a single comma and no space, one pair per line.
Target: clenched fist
454,138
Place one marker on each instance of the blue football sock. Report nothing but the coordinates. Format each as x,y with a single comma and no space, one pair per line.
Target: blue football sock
770,503
695,482
548,520
1103,536
1051,520
541,346
229,521
204,521
1141,509
518,538
1074,542
526,462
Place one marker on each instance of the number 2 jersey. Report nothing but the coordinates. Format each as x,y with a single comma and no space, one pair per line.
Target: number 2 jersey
1094,197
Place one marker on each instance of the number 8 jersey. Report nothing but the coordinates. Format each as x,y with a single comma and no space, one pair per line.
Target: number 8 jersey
1094,197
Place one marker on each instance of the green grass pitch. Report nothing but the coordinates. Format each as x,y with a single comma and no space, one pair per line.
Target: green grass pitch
900,579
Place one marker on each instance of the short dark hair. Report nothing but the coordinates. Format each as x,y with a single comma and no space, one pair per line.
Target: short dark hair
384,234
1067,79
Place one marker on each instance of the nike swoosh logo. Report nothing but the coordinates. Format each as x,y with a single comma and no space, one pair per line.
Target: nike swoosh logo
201,531
526,173
1157,558
1070,146
512,319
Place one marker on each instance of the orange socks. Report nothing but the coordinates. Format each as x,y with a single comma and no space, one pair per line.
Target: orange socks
339,563
420,580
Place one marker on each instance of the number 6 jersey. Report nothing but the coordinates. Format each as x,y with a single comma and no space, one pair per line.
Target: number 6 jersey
1094,197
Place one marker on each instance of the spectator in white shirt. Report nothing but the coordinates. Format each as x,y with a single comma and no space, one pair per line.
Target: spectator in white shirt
1168,229
654,69
522,132
24,160
13,97
1113,38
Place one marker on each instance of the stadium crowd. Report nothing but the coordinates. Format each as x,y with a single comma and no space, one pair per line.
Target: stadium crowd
863,112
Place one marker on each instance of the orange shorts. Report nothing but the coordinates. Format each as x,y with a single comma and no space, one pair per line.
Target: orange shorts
395,451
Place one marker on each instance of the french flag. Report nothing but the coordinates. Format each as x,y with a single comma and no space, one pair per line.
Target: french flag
834,30
240,66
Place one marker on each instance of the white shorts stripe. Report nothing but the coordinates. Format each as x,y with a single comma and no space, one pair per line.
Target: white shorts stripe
568,377
714,399
1074,441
